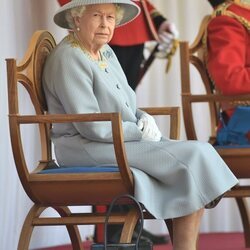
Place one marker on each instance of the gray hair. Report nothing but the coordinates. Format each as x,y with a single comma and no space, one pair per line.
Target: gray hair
78,12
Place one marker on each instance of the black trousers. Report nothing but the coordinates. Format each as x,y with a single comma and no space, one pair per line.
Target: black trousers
130,58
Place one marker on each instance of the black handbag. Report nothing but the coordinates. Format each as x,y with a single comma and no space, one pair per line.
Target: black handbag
137,245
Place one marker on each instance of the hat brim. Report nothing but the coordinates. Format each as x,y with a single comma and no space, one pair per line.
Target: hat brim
131,10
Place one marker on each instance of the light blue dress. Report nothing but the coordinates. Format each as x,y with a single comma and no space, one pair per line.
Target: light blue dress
172,178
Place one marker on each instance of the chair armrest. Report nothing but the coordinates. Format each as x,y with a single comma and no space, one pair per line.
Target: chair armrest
173,112
216,98
114,118
216,102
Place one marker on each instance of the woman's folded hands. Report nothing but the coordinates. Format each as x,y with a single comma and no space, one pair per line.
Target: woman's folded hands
150,131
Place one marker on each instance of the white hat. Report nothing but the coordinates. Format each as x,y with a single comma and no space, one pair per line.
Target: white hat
131,10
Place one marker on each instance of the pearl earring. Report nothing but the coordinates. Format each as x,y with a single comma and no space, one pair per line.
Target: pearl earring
78,29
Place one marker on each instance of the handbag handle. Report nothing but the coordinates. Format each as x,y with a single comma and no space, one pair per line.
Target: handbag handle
109,212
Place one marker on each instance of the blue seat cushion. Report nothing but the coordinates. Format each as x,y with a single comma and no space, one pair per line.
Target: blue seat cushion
80,169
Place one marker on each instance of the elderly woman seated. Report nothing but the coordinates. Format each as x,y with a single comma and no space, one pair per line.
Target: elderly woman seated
173,179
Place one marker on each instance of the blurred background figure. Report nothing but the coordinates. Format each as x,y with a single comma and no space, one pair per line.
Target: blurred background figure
228,64
129,40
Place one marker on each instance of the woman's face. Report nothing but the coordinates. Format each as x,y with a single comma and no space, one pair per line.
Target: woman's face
96,25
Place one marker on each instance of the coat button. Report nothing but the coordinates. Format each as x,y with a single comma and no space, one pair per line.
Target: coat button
127,104
118,86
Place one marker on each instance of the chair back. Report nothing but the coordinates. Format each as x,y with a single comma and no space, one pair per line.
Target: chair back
28,73
194,54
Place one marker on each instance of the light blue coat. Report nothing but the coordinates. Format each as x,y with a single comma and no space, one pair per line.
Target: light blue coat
172,178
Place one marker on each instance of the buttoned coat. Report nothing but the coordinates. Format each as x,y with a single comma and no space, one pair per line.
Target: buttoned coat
172,178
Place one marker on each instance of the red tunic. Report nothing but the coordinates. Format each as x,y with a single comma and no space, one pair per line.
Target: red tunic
137,31
229,51
228,57
62,2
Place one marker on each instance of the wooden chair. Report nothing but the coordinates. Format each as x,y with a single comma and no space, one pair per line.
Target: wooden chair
237,158
59,190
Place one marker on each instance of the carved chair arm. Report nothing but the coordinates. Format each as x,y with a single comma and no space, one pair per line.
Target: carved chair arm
173,112
114,118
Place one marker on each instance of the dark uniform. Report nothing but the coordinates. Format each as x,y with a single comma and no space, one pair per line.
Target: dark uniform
228,53
128,40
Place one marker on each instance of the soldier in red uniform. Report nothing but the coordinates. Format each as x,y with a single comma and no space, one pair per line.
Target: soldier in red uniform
228,62
128,44
128,40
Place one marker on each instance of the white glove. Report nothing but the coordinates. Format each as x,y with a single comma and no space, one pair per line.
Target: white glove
167,33
150,131
170,28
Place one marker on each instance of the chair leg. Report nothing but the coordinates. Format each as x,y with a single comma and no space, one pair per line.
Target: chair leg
35,212
73,230
129,226
27,229
245,218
